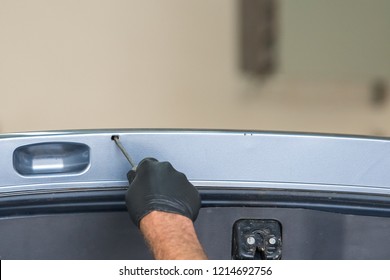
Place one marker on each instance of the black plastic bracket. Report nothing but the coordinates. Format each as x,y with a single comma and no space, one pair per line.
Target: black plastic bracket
257,240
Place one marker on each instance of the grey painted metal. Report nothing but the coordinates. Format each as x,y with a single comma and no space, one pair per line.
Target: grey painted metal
214,158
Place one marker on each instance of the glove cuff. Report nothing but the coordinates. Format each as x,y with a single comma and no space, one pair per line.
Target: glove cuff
165,204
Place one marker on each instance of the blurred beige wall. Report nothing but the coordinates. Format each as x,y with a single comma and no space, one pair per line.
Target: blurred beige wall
174,64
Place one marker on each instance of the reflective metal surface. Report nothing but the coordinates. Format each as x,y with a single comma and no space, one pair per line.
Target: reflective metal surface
231,159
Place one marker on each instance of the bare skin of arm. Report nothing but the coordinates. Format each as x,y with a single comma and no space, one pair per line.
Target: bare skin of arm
171,237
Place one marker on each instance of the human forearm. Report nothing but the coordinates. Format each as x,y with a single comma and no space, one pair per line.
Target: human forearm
163,204
171,236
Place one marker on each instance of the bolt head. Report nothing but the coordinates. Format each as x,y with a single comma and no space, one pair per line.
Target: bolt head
272,240
250,240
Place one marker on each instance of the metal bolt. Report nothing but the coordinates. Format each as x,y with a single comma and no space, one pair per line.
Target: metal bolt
250,240
272,240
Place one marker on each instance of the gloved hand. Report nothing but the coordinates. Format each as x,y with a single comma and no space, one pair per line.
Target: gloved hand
158,186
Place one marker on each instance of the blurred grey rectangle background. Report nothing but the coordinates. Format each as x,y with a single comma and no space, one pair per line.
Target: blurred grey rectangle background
176,64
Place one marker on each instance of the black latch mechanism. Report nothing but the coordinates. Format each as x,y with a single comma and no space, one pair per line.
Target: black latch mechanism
257,239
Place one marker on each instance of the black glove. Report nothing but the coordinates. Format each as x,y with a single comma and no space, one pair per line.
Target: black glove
158,186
